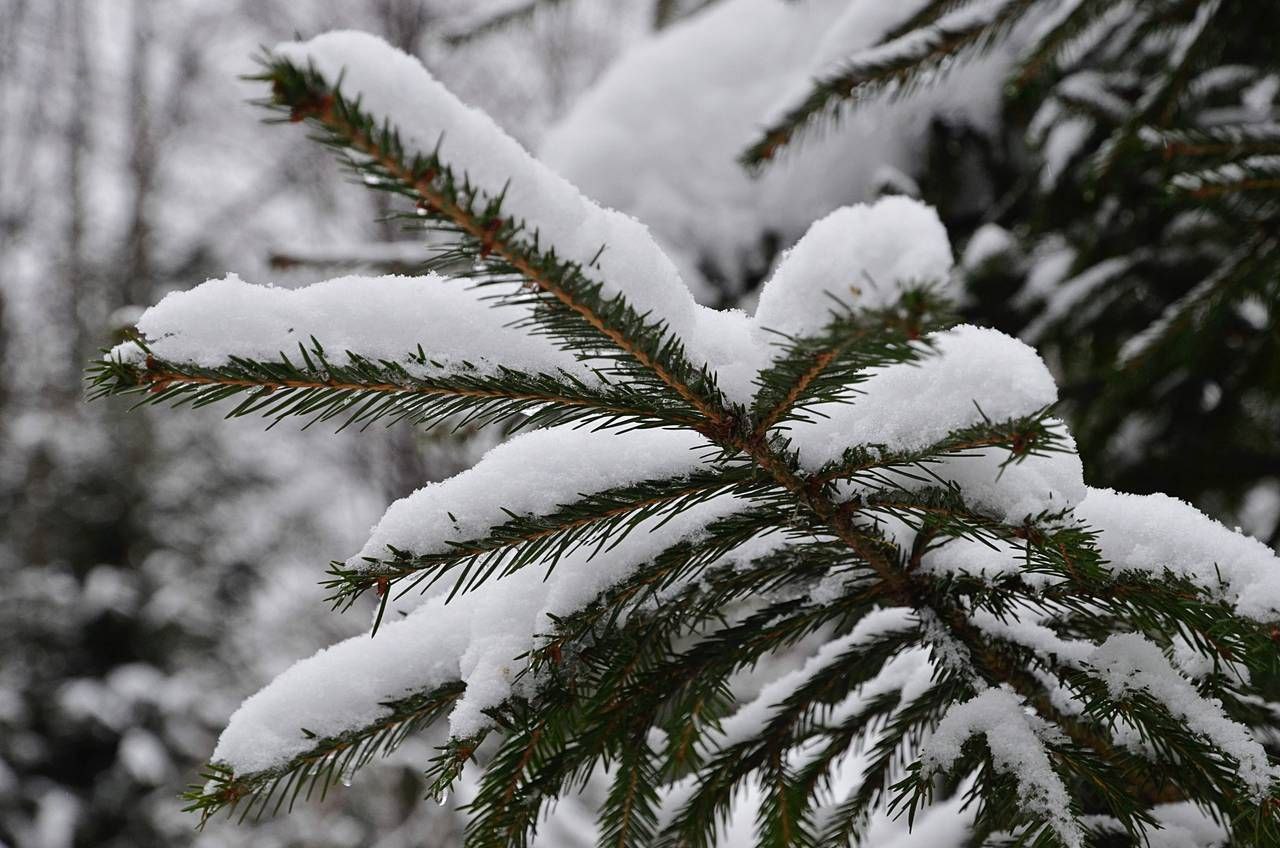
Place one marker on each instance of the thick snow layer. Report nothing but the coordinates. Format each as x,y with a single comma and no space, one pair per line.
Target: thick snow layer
971,371
659,134
379,318
1016,740
1157,533
1127,663
476,638
531,474
861,256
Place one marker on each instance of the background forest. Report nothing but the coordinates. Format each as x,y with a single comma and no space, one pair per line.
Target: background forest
153,575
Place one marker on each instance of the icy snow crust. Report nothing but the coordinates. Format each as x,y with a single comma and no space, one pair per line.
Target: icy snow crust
967,375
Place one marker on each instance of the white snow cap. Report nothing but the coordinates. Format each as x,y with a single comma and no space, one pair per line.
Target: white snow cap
379,318
1155,533
971,371
859,255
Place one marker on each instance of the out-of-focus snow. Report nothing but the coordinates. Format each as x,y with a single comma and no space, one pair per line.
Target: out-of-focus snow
658,136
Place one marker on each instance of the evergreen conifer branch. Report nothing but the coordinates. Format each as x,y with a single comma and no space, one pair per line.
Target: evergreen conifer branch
827,367
847,821
894,67
365,391
659,649
793,721
599,521
329,760
574,307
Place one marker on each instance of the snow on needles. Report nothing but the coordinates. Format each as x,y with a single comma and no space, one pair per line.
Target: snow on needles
1016,740
861,256
968,373
395,87
1157,533
752,718
1127,662
530,474
477,636
865,254
378,318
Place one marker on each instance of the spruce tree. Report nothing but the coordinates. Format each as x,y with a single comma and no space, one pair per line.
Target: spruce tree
847,480
1134,239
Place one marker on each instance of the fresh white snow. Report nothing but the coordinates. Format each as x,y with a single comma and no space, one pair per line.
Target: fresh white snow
379,318
861,256
1016,739
1127,662
1156,533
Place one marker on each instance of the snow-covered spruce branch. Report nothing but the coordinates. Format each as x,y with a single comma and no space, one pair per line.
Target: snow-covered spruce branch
330,760
903,497
893,67
574,305
599,520
1226,140
362,392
